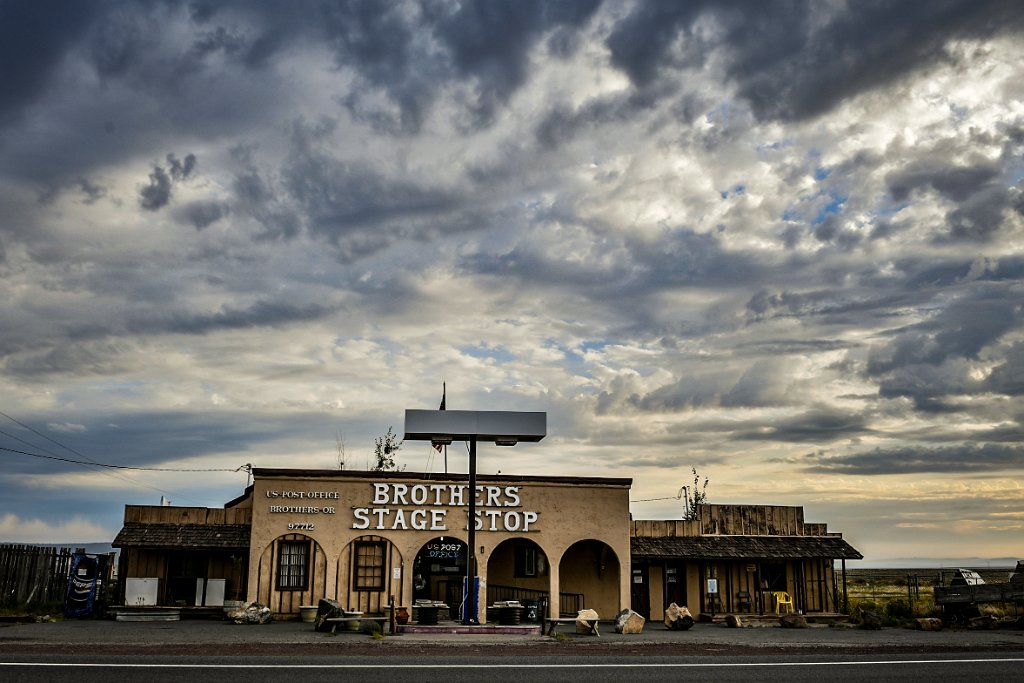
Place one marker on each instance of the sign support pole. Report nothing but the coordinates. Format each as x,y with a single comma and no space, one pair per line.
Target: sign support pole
470,614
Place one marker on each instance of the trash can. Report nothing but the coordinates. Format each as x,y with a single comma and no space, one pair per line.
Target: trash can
531,611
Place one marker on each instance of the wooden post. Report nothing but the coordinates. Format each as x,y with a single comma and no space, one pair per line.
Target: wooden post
846,598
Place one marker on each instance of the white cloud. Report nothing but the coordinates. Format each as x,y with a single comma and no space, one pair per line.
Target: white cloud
15,529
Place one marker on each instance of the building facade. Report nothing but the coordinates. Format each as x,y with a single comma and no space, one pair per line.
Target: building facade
370,539
740,559
367,538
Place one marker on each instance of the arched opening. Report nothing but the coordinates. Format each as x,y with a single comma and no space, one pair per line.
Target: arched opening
438,570
518,569
292,572
589,579
367,574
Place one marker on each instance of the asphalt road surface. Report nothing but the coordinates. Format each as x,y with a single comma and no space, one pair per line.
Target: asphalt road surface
458,669
188,652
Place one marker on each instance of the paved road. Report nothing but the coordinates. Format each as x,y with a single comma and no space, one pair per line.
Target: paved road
184,652
456,669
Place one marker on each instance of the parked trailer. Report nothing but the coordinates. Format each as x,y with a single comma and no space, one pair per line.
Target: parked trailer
956,601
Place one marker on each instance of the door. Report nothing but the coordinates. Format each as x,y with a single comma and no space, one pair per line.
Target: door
640,595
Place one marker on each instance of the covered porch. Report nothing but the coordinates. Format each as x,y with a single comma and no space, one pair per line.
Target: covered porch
753,575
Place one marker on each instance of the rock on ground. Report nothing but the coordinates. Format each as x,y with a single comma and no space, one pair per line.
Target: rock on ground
792,620
677,618
628,621
253,613
584,619
869,620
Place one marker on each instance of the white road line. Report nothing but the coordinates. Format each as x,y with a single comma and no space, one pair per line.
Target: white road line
610,665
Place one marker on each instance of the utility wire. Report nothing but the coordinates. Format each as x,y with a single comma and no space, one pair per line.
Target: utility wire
118,467
89,462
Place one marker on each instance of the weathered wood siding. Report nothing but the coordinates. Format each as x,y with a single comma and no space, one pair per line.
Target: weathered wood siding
160,514
734,520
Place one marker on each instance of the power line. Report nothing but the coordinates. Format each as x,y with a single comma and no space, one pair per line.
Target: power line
118,467
89,462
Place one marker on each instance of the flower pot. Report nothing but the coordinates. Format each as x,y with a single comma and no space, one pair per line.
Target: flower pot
307,613
402,615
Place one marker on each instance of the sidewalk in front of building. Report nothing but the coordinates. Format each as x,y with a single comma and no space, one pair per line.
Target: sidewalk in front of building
214,633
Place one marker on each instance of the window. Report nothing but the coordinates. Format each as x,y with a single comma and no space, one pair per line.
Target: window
529,562
293,565
368,570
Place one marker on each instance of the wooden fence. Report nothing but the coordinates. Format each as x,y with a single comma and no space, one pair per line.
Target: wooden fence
33,574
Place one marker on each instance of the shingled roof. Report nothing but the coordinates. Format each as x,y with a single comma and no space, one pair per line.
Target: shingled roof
208,536
743,547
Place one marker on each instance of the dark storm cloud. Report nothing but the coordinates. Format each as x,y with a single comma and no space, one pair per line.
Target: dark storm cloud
148,439
980,217
376,40
260,314
564,123
931,362
981,198
814,426
96,348
180,170
677,258
1008,377
356,207
92,192
960,331
33,38
202,214
490,42
959,459
958,183
792,60
413,51
157,194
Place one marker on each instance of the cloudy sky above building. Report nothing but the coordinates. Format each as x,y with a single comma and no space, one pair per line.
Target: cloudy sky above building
778,242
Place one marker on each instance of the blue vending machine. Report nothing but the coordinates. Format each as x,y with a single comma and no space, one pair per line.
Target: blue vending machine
470,601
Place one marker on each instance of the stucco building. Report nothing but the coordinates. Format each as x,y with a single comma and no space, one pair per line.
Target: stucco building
365,538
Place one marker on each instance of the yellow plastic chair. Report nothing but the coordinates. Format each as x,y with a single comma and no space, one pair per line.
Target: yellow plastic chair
783,598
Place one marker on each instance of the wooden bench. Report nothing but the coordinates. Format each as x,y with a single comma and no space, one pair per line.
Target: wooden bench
334,621
551,624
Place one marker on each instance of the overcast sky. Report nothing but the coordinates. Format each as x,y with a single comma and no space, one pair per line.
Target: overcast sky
780,242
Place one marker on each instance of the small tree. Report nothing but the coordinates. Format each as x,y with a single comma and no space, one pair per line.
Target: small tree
698,496
384,450
339,441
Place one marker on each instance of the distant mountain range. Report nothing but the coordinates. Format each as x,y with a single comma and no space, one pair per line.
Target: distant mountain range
90,548
936,563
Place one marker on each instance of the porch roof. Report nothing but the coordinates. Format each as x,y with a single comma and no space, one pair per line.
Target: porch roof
743,547
198,536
